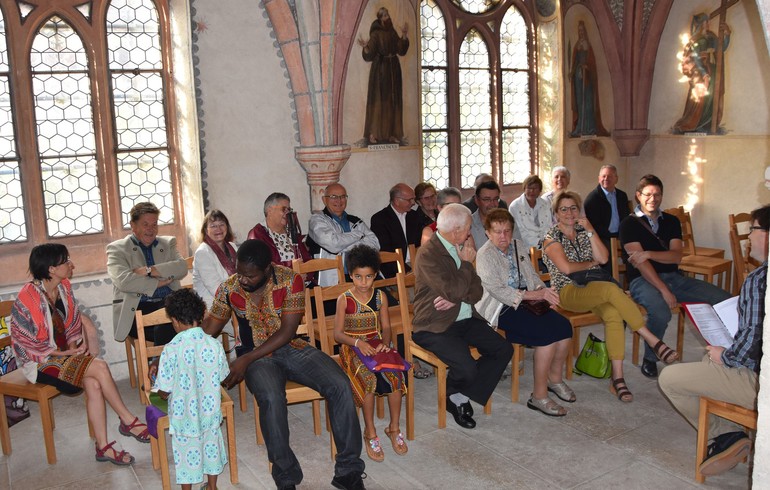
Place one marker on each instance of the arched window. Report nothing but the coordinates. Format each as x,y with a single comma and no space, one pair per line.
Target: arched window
478,85
84,125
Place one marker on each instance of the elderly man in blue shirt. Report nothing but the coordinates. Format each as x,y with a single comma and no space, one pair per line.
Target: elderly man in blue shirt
729,374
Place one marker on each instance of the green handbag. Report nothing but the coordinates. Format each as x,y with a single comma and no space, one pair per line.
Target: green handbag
593,359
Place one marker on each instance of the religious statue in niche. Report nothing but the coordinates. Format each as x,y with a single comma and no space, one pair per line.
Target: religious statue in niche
704,69
586,116
384,99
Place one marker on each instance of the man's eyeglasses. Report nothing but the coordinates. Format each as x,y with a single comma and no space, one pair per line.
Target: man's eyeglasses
654,195
410,200
335,197
67,261
426,196
489,200
564,209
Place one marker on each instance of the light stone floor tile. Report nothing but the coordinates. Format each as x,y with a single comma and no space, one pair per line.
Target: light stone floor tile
600,443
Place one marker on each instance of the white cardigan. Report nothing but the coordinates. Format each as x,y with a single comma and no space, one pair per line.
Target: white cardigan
493,269
208,272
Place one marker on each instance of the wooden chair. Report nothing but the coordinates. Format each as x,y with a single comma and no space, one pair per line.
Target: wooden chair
729,411
688,236
187,281
619,267
576,319
695,264
14,384
740,247
413,350
158,445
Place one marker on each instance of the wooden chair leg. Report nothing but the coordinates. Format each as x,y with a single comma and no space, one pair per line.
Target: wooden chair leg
380,403
488,406
163,457
441,382
410,401
703,430
316,417
258,428
242,397
46,415
155,453
515,362
130,360
635,349
5,433
680,334
232,451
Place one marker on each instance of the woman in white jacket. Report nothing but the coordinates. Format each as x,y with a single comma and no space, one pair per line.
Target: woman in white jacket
509,279
214,260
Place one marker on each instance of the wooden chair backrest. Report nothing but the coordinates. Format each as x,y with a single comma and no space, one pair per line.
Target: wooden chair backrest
688,240
187,281
323,326
412,255
535,254
404,282
144,351
314,265
740,246
5,310
618,266
189,261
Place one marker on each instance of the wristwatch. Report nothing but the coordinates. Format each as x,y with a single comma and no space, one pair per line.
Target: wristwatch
590,234
148,269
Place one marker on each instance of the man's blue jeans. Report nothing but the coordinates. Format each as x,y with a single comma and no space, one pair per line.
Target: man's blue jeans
686,289
266,379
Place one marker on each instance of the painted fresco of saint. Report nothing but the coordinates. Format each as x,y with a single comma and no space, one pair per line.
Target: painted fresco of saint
384,100
586,116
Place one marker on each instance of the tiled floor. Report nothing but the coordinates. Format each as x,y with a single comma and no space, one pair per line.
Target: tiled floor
601,443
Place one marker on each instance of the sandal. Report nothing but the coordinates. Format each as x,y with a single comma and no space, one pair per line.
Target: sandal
125,430
620,389
547,406
397,440
665,353
563,391
373,449
101,455
421,372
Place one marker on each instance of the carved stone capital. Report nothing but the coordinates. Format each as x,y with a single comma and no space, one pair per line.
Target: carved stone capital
630,141
322,165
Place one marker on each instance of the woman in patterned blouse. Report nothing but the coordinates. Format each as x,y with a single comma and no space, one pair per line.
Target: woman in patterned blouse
573,245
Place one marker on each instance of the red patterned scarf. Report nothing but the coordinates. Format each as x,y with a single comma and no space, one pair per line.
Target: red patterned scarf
226,259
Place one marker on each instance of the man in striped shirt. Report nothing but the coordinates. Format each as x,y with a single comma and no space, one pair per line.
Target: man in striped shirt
729,374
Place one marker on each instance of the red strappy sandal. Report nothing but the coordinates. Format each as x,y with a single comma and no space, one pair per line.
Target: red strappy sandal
125,430
101,455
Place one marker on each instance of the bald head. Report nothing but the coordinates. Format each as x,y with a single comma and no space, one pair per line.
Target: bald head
335,199
402,197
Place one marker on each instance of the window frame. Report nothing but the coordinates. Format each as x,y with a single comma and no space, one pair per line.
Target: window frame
458,23
87,251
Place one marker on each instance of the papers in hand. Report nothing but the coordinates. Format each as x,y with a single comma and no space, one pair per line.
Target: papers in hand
717,324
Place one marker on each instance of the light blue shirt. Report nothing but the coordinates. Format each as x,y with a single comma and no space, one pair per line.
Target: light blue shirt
465,308
612,197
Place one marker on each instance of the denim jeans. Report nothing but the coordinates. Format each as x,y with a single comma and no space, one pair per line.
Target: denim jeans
686,289
266,379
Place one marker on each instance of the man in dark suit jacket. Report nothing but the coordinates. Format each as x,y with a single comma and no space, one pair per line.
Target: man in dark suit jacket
606,206
397,225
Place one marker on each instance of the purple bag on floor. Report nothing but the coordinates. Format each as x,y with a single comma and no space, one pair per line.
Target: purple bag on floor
390,361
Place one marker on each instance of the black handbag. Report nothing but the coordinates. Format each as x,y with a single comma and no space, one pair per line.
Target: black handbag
581,278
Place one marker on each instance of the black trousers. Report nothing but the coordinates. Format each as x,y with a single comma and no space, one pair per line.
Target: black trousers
475,379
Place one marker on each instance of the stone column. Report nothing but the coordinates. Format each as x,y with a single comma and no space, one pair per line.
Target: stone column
323,165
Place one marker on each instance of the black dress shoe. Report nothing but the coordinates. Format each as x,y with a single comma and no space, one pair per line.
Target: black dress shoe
351,481
461,415
650,368
468,408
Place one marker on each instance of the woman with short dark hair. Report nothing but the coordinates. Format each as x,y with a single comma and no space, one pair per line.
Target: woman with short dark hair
57,345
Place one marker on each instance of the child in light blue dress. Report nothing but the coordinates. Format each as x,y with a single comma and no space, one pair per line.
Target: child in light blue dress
191,368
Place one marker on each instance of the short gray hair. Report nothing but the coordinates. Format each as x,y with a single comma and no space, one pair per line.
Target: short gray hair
562,169
610,166
452,217
443,194
273,199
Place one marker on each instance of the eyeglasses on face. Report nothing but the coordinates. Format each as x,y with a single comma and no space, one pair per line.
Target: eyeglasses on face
67,261
489,200
426,196
409,200
654,195
572,209
757,228
217,225
335,197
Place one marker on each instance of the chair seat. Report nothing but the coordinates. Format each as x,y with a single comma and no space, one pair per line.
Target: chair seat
717,253
15,384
